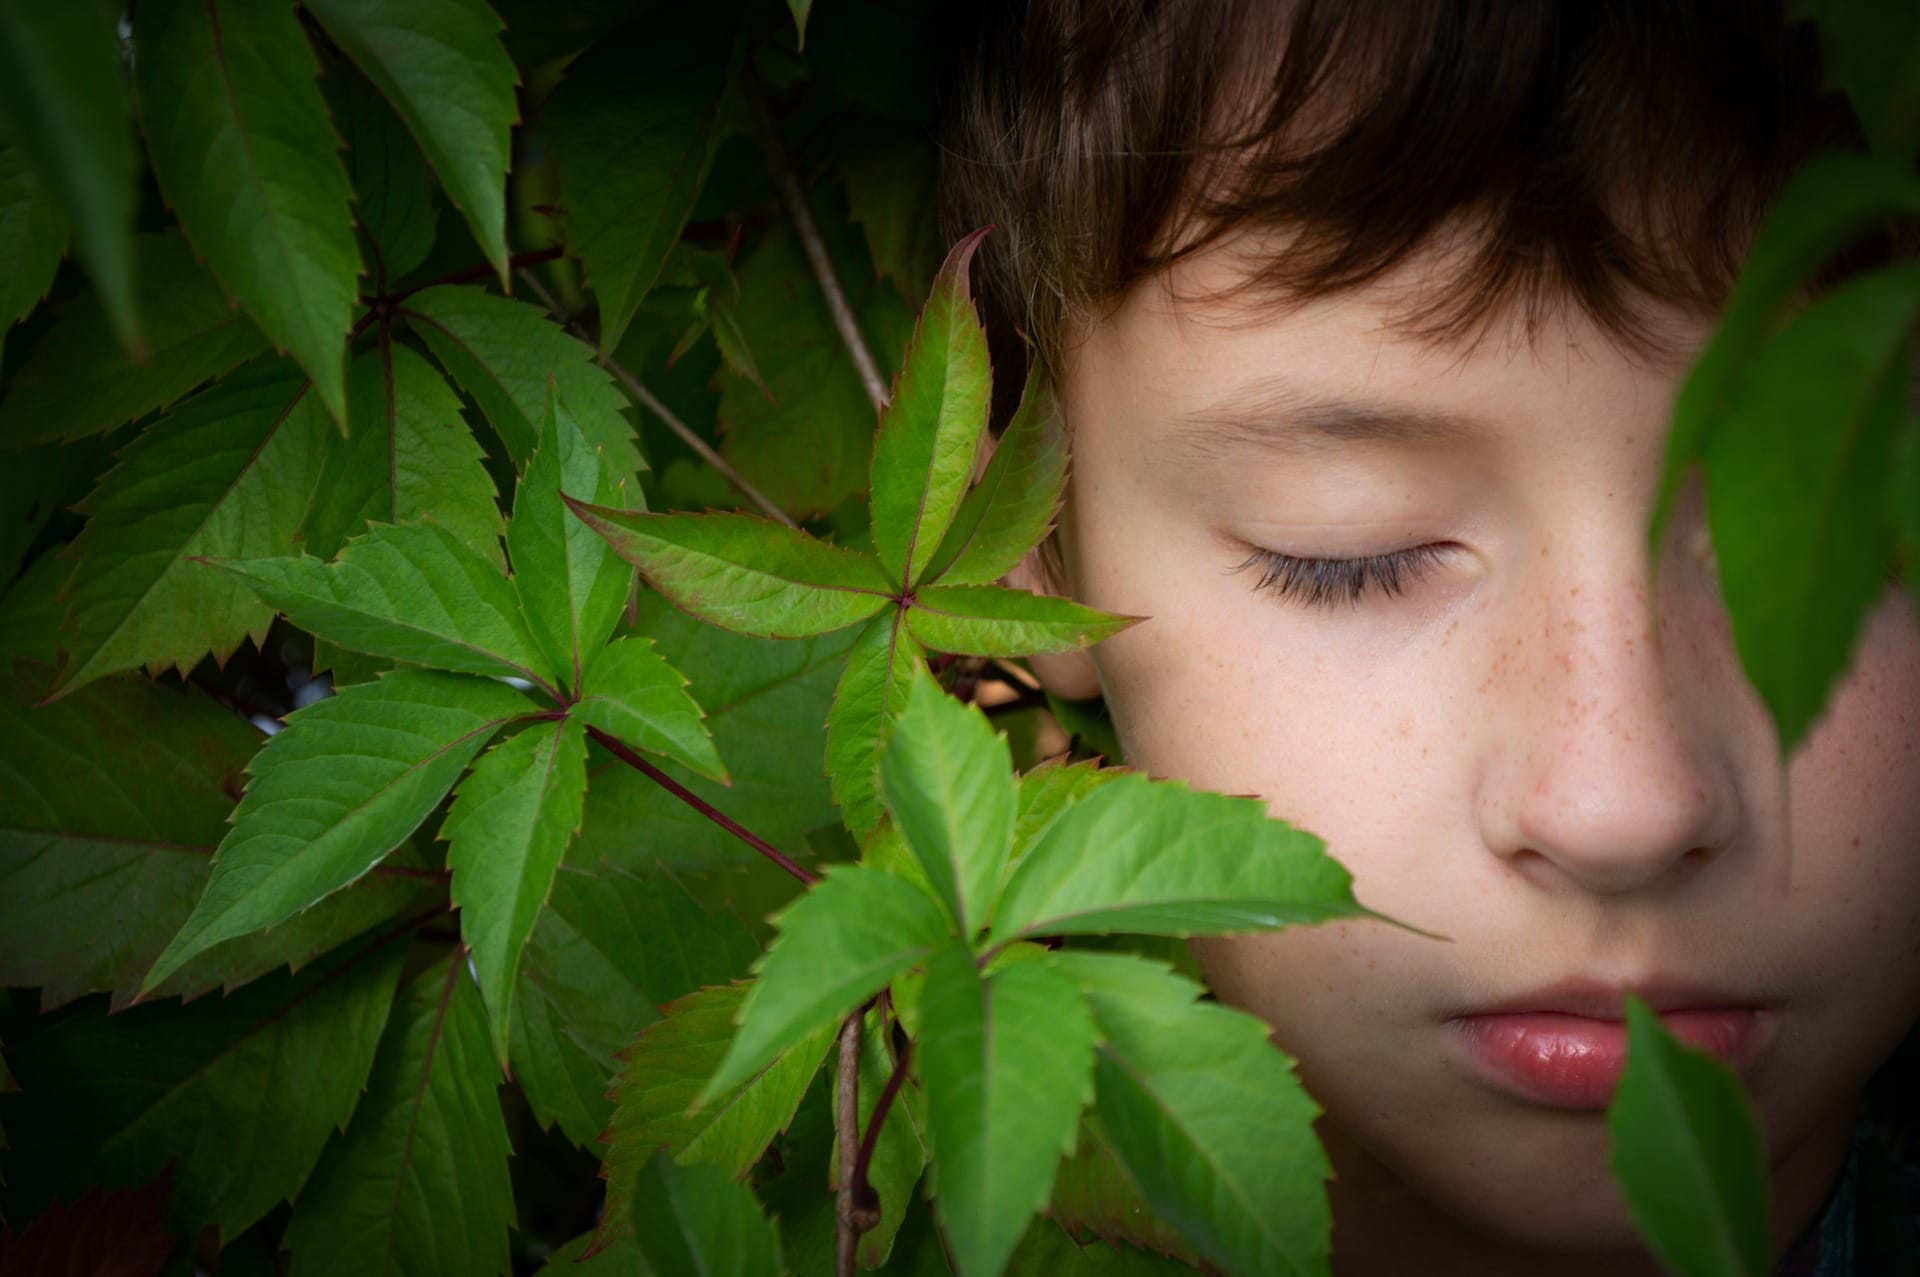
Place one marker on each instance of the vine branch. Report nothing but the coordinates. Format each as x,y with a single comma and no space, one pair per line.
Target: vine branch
619,749
848,1224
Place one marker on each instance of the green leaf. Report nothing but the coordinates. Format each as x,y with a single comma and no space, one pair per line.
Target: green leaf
630,692
392,189
244,152
1905,499
36,484
609,948
1798,515
930,432
1012,508
872,691
1687,1155
697,1220
799,9
634,127
237,1094
839,944
890,193
1048,791
570,583
227,473
1175,1082
411,455
1871,49
505,833
1095,1195
991,620
418,1184
1047,1250
439,62
899,1150
1007,1064
339,787
748,574
945,777
62,87
77,381
1828,204
93,834
662,1073
1158,858
412,592
506,354
33,237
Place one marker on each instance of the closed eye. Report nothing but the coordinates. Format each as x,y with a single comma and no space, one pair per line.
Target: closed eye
1323,583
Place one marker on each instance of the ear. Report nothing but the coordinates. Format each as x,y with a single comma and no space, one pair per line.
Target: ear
1072,676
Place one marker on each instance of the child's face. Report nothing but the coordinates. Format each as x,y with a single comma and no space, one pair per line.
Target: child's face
1536,749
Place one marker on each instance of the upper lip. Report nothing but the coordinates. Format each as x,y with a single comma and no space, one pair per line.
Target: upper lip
1605,1000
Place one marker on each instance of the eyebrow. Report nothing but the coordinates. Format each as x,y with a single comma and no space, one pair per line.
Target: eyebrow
1276,415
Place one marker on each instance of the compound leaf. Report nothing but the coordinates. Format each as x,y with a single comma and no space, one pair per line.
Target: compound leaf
1175,1080
1155,857
630,692
1012,508
991,620
411,592
747,574
344,782
1798,515
697,1219
571,584
1007,1062
439,62
1687,1155
840,943
77,381
872,691
247,157
418,1184
227,473
506,832
634,126
946,779
930,432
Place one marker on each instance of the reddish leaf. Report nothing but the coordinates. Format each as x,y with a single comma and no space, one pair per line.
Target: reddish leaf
115,1234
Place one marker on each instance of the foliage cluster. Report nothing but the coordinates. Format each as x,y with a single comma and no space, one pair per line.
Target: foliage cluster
361,948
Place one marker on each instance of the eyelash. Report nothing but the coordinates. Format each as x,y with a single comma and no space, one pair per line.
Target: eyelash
1322,583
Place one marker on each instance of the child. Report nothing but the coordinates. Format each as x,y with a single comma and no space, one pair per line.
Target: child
1366,319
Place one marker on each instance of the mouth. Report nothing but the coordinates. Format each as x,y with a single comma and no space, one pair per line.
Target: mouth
1565,1047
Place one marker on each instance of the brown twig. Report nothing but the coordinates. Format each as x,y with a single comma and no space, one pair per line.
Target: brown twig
794,198
518,262
862,1186
619,749
846,1230
652,404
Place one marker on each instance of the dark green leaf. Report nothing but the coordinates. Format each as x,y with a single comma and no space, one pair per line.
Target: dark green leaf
1048,1251
1156,857
66,98
839,944
392,189
1011,509
570,583
412,592
930,433
238,1094
872,691
945,779
418,1184
346,780
697,1220
1007,1064
1871,49
411,455
1798,515
890,192
1176,1080
634,129
506,832
1906,499
631,692
439,62
1687,1155
33,236
506,354
78,382
104,851
1095,1195
227,473
246,155
35,485
750,575
991,620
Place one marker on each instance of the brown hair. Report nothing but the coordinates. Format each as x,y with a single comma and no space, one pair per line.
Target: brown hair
1595,152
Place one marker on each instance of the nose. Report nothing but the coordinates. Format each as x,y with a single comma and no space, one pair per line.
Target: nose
1605,770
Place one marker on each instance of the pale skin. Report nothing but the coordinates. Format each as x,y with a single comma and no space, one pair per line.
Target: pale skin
1540,748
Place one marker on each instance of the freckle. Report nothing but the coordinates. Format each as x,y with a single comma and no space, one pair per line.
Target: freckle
1424,751
1854,843
1574,593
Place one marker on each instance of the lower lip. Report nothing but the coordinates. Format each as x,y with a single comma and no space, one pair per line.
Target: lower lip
1573,1061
